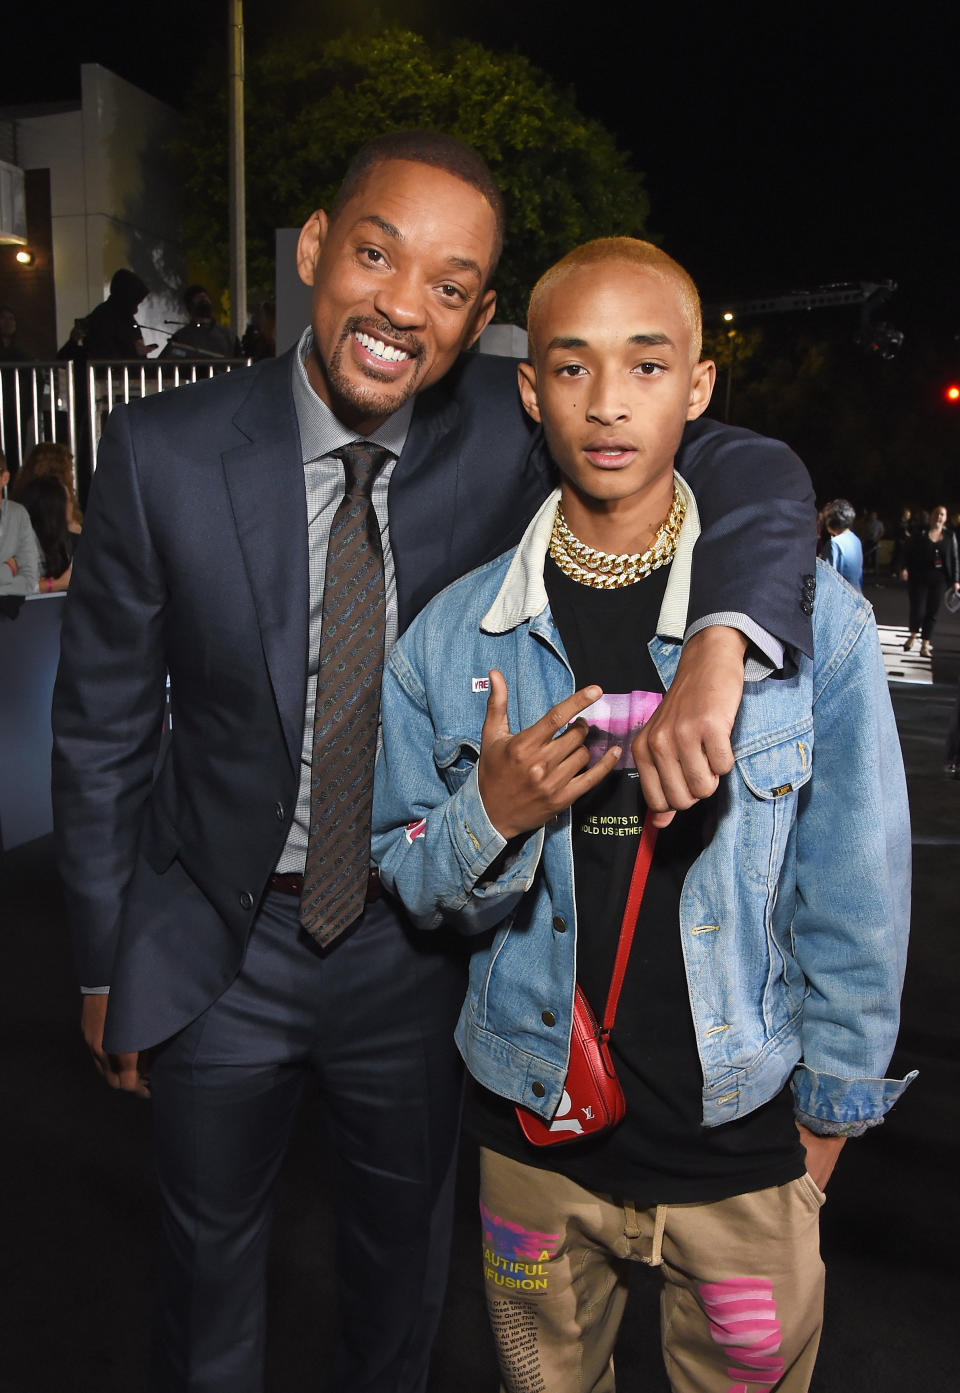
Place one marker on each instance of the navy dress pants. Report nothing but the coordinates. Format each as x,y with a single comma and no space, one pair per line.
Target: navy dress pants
371,1019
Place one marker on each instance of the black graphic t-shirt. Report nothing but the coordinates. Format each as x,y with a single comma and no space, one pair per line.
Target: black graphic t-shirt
661,1153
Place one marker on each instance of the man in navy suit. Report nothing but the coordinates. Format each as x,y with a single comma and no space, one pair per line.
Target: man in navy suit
203,557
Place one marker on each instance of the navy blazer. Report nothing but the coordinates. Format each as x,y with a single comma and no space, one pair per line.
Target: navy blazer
194,562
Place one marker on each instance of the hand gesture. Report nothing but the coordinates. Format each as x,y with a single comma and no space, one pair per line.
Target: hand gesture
527,778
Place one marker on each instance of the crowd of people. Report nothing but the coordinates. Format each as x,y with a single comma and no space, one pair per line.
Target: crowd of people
111,331
40,523
923,554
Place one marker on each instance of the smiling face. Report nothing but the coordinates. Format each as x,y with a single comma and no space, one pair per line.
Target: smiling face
613,379
399,281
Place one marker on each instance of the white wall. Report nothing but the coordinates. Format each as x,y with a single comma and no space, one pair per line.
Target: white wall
55,142
115,199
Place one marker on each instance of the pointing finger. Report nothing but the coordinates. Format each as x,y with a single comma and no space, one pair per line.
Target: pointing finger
495,723
561,715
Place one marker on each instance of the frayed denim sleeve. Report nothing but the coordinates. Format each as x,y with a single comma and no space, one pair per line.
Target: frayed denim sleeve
853,883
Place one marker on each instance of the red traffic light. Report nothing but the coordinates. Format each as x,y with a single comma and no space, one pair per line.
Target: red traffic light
951,394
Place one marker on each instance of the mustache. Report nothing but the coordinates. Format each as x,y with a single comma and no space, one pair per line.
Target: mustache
383,329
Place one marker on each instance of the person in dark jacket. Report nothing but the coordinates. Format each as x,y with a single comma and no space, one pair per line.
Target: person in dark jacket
203,337
111,329
929,568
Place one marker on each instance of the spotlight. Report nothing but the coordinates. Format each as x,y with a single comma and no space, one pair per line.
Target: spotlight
25,257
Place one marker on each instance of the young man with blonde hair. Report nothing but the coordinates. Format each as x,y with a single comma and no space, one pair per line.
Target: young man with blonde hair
760,999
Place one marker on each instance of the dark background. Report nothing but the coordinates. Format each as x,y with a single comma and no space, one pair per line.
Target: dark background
784,148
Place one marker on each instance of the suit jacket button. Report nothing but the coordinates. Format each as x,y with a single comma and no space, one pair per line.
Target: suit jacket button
560,924
246,900
538,1090
278,811
548,1018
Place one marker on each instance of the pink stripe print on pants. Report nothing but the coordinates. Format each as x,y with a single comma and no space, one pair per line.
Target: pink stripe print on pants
743,1319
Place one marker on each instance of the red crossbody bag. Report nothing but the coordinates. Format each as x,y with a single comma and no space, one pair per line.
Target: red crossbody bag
592,1099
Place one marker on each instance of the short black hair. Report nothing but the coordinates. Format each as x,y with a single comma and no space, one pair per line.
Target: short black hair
839,514
435,148
191,293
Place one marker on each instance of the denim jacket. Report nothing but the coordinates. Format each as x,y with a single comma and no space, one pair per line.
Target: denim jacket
793,919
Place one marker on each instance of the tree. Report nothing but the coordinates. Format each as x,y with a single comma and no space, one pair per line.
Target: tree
870,430
311,103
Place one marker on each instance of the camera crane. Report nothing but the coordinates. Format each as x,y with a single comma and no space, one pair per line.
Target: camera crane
879,338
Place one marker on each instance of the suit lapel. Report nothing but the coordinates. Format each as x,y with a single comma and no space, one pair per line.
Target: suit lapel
422,500
265,481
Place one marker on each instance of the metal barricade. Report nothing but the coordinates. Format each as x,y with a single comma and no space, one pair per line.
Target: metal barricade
110,384
37,402
68,401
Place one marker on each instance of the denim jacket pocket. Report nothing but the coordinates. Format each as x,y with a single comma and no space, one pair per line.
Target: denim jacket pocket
773,777
455,758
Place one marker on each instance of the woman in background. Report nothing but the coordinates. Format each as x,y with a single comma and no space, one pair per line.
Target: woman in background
45,499
51,458
929,567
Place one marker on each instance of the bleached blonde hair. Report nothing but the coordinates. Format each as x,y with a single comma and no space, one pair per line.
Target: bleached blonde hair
634,252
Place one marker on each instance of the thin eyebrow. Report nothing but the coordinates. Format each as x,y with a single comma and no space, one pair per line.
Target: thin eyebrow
385,227
652,340
641,340
565,341
464,263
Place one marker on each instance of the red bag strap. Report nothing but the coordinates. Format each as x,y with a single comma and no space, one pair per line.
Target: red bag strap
638,883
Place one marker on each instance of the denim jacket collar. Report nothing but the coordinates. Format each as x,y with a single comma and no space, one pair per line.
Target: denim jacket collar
523,595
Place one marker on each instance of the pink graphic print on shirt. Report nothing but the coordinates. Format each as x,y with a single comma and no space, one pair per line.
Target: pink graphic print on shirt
615,719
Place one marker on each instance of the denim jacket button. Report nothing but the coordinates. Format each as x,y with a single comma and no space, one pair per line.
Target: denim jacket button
548,1018
560,924
538,1090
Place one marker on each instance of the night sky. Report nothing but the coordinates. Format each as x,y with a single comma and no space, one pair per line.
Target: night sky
785,147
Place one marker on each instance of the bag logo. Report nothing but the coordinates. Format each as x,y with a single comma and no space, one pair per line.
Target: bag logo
563,1122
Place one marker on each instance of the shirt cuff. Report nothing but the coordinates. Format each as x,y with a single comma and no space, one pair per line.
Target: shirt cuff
767,654
94,991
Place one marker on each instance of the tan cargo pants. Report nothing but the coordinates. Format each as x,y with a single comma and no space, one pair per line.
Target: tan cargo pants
742,1299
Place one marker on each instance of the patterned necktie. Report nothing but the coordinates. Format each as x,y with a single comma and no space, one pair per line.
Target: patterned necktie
348,705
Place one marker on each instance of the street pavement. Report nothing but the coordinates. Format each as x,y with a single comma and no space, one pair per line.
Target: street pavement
81,1213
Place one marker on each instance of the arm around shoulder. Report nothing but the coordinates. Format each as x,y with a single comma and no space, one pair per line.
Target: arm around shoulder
758,539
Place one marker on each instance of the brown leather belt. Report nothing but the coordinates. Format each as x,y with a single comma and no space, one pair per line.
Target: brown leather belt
289,883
